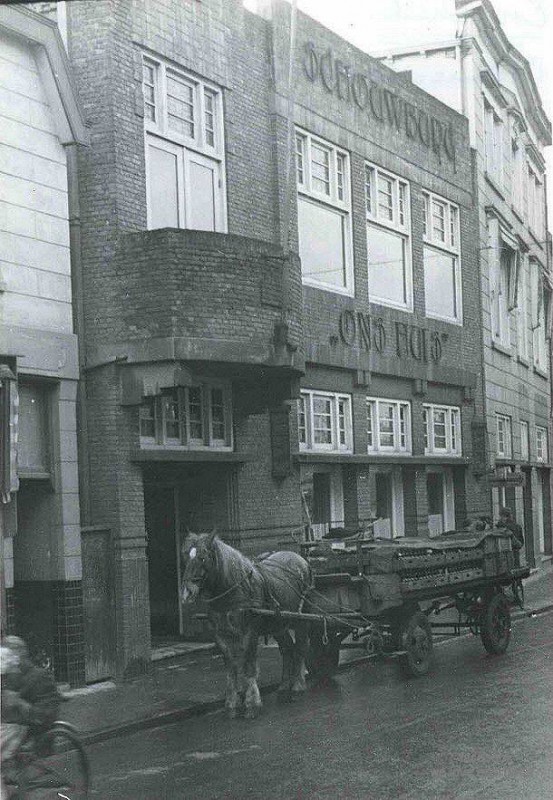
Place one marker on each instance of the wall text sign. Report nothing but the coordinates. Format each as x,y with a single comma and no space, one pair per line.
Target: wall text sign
404,340
380,103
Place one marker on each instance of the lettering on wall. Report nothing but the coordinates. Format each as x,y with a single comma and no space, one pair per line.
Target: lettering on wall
400,339
377,101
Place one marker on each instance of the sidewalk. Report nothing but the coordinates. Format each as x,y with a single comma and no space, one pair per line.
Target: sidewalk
189,680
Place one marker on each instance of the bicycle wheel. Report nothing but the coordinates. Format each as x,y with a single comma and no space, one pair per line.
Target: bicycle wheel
60,769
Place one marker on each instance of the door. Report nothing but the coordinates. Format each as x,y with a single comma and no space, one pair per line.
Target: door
435,498
159,511
384,504
321,504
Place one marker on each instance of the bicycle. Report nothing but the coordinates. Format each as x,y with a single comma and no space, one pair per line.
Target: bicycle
49,764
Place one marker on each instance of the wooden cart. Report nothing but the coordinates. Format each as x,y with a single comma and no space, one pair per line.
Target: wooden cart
386,597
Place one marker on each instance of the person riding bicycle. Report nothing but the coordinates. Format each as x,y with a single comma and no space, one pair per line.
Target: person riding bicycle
30,698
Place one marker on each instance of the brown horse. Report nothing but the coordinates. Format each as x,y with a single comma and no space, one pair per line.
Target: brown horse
231,584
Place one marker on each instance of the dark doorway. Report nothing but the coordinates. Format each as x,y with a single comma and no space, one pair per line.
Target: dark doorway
159,513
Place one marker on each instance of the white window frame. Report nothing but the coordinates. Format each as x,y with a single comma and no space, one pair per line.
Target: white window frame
336,399
504,438
453,443
540,331
373,411
542,445
185,440
493,140
399,224
338,198
504,291
187,149
524,440
449,245
535,195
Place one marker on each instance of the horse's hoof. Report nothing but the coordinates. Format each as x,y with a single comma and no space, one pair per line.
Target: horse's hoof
252,712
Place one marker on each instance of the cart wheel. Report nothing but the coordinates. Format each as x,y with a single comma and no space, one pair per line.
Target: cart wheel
322,659
495,624
415,636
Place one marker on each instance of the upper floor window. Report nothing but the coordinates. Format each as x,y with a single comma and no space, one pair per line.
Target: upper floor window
325,421
35,426
540,314
442,272
493,142
504,438
442,430
194,417
388,426
524,441
388,238
517,166
542,453
324,214
504,292
522,309
183,117
536,201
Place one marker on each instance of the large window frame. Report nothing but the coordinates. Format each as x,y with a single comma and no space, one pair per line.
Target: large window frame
524,440
536,201
325,415
441,236
189,130
388,212
493,141
388,426
504,436
540,314
542,444
324,185
194,417
34,445
442,423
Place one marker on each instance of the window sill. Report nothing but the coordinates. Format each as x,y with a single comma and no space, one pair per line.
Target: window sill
33,475
448,320
323,287
493,183
179,454
523,361
518,214
502,348
536,238
541,372
374,301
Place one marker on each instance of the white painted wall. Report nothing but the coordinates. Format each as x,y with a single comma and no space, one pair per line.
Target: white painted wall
34,231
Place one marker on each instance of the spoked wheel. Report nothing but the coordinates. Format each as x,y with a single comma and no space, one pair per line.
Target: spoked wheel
59,769
323,657
414,635
495,624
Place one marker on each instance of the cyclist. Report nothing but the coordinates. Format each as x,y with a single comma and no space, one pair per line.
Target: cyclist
30,698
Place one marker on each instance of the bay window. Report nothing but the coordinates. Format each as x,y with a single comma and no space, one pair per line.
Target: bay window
442,430
183,119
325,421
324,214
192,417
388,238
442,271
388,426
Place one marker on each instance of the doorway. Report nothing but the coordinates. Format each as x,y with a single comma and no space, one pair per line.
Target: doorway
441,503
162,553
390,522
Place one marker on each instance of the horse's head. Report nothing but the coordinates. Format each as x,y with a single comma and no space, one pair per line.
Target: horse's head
198,563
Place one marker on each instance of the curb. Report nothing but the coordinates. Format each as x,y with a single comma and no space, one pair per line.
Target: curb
210,706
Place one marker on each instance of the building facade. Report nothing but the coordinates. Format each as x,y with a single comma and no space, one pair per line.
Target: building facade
41,127
482,75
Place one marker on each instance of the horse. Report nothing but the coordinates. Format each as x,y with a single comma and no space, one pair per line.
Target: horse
231,584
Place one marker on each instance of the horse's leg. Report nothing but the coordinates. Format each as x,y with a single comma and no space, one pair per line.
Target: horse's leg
232,700
286,646
298,683
252,700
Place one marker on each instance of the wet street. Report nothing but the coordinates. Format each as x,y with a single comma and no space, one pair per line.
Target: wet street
475,727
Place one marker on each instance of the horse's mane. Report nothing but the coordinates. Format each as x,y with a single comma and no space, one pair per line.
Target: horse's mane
231,566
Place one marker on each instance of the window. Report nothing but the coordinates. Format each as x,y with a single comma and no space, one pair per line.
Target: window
504,293
33,450
442,430
517,165
183,118
324,214
522,311
194,417
388,238
442,273
524,442
325,422
541,444
536,201
540,313
493,135
388,426
504,447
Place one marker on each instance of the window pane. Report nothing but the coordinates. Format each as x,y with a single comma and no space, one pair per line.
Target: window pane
202,197
195,418
387,278
320,169
209,117
370,413
148,88
147,419
438,221
440,284
425,202
440,434
369,183
385,198
300,167
426,432
162,188
171,421
322,420
342,422
217,415
180,106
302,422
340,169
32,450
322,243
386,424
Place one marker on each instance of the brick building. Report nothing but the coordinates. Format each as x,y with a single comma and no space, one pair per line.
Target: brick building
278,299
41,127
482,75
